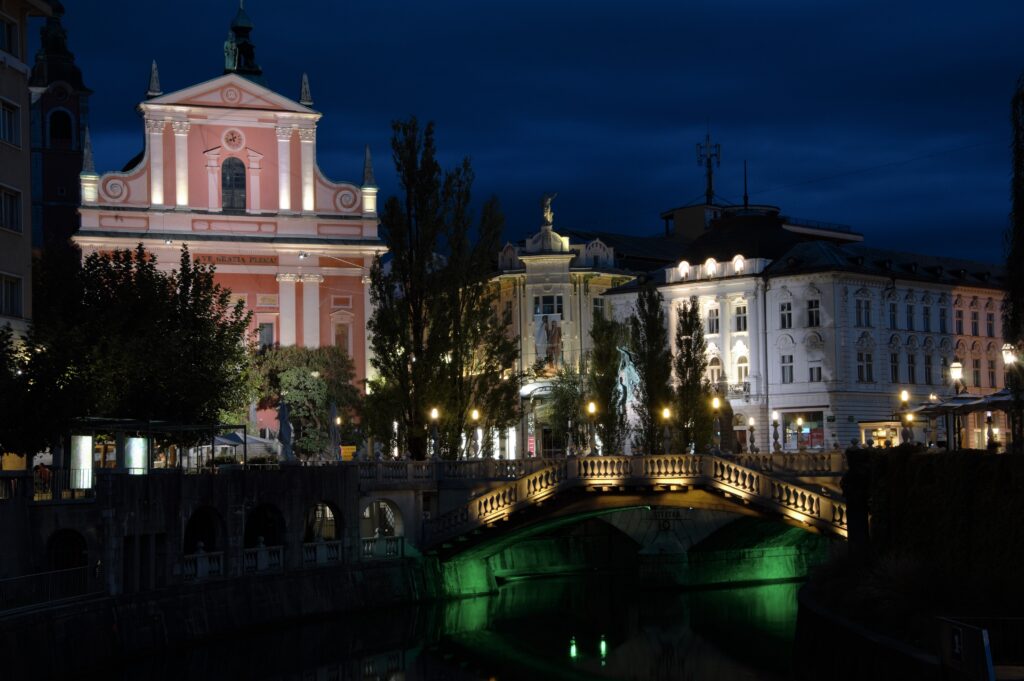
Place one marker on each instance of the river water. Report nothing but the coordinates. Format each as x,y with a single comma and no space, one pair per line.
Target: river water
594,627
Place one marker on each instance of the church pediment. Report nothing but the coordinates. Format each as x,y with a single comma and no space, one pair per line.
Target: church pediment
230,91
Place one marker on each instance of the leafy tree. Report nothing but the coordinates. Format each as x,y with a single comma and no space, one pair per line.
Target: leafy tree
436,336
653,362
120,338
692,412
607,337
310,380
568,395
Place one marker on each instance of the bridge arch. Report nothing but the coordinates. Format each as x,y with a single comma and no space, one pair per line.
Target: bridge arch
66,549
205,526
323,521
264,524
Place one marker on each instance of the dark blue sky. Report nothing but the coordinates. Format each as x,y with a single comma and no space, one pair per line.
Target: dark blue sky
890,117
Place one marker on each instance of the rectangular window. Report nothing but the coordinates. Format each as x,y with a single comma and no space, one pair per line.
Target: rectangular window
942,320
341,333
10,296
786,315
713,320
266,332
787,368
928,369
8,36
926,319
10,210
813,313
976,371
10,123
945,369
547,305
958,321
894,367
863,312
892,316
992,373
911,368
865,368
598,307
741,317
814,374
990,324
910,317
974,323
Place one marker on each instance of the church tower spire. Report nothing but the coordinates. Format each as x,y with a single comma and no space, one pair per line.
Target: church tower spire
239,50
154,82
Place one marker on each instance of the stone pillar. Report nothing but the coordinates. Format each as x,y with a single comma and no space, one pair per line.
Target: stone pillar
367,314
181,129
286,293
284,169
213,180
311,310
255,166
155,144
307,149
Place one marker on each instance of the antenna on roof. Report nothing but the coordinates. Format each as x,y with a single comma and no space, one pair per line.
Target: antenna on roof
746,197
709,155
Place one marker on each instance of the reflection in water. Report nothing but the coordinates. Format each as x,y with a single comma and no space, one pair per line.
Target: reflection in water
598,627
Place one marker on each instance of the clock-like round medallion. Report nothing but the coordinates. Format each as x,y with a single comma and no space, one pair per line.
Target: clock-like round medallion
233,139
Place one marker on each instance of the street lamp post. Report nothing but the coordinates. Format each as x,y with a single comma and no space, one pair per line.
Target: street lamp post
776,447
472,448
908,428
666,436
799,432
591,416
956,372
716,404
434,413
750,439
990,442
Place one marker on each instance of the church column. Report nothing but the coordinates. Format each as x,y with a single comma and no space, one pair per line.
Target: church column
255,166
284,170
155,143
311,310
181,129
286,301
213,180
307,141
367,314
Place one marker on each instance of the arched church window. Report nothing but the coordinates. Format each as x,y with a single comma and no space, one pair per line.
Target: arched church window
232,183
60,130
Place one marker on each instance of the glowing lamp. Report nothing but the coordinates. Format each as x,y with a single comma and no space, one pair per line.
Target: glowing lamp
475,414
750,422
904,396
910,418
956,371
716,403
775,416
666,413
1009,354
800,421
434,413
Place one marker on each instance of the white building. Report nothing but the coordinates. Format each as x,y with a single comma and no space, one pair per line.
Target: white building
803,320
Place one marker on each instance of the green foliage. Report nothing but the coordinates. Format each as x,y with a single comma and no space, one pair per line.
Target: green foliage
120,338
607,337
567,399
692,407
310,380
436,336
653,362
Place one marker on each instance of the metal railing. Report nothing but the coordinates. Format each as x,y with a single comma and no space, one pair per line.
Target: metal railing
46,587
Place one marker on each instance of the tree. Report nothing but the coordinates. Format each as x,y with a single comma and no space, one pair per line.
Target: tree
692,412
568,394
436,335
1013,311
310,380
120,338
653,362
607,337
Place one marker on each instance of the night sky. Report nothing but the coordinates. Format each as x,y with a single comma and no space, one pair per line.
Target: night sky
890,117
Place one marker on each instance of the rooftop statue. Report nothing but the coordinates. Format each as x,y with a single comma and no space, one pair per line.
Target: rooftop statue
230,52
545,206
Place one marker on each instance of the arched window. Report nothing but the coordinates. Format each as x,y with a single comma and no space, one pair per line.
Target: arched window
742,369
60,130
715,370
232,184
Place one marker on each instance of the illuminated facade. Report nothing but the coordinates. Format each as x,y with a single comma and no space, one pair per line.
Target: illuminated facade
229,168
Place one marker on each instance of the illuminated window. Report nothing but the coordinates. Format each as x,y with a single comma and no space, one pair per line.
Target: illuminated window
232,183
713,319
711,267
738,264
684,269
341,334
741,317
547,305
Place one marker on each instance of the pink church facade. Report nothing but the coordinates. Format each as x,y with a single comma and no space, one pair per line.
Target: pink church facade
230,169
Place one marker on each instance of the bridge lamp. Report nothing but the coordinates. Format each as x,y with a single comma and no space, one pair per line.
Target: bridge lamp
666,417
591,408
716,404
475,415
799,431
434,413
776,447
751,428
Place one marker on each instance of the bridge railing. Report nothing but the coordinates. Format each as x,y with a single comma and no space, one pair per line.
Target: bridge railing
382,548
472,470
200,566
611,472
322,552
796,463
45,587
263,559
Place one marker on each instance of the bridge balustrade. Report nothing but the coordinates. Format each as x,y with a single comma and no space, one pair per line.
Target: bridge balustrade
263,559
46,587
322,552
796,463
200,566
382,548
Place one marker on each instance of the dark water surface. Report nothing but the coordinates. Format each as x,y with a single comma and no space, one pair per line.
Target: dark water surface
594,627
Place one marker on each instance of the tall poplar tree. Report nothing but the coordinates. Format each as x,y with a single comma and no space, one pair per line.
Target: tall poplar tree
653,361
692,412
436,336
607,337
1013,310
